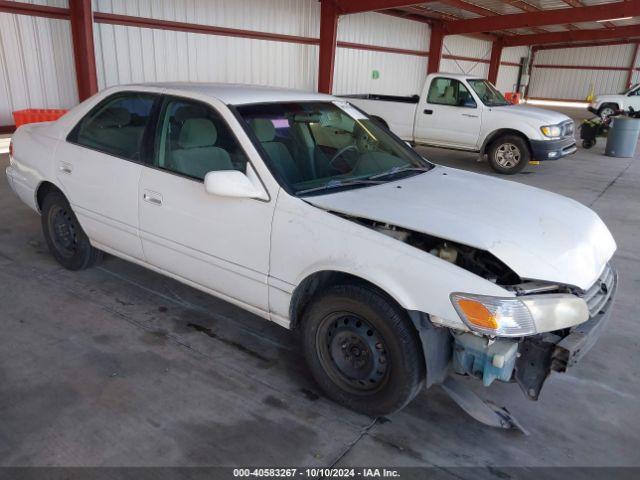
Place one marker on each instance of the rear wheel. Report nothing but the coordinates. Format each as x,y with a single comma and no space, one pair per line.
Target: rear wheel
509,154
66,240
362,350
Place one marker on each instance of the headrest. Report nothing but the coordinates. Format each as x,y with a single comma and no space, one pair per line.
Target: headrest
197,132
114,117
449,91
330,118
263,128
189,111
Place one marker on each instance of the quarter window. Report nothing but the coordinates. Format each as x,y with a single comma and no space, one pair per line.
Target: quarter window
193,140
116,126
448,91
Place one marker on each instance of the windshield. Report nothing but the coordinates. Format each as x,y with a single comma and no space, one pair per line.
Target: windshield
314,147
488,93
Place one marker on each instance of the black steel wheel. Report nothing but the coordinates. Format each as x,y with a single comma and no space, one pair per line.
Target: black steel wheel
362,349
64,236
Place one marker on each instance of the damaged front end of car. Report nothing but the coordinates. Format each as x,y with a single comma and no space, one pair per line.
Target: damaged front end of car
542,327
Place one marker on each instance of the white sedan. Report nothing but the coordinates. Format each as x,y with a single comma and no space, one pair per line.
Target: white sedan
299,208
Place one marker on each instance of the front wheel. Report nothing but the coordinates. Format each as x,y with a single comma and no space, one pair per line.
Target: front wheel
362,350
509,154
607,110
66,240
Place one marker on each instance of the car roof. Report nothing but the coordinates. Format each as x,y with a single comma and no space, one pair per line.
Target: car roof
460,76
238,94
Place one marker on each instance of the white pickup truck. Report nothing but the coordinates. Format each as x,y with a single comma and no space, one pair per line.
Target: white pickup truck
464,112
607,105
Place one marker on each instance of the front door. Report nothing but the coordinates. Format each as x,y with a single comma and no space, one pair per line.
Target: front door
99,167
449,116
217,243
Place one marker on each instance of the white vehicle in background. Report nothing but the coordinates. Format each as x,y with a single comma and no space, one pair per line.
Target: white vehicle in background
607,105
463,112
302,210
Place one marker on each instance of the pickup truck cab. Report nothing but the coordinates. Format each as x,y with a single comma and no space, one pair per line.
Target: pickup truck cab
464,112
299,208
607,105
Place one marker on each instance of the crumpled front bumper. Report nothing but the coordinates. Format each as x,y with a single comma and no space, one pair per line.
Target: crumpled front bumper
539,355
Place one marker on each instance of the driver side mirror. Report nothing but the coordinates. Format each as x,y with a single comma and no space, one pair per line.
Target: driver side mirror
232,183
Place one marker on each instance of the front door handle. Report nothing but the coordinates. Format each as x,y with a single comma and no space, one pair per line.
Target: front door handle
427,111
65,167
153,198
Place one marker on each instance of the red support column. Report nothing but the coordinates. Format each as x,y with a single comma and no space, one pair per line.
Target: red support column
83,50
632,67
435,48
328,40
534,50
494,62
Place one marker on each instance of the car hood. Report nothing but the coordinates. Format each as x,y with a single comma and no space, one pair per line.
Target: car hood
544,117
538,234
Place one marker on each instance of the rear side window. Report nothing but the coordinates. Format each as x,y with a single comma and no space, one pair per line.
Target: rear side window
448,91
116,126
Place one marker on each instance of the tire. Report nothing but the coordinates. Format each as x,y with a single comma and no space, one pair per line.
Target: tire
362,350
380,121
509,154
607,109
588,143
65,238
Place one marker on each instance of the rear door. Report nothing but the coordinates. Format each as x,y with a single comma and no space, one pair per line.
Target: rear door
217,243
99,167
449,115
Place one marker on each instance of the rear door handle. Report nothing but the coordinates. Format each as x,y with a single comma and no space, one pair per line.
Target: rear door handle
65,167
153,198
427,111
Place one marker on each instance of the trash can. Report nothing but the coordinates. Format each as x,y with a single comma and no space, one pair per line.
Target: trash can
623,137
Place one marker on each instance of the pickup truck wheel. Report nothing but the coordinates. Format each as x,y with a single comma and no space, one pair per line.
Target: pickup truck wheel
607,110
362,350
66,240
509,154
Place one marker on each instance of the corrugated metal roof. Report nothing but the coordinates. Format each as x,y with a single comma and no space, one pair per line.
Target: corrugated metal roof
443,8
498,6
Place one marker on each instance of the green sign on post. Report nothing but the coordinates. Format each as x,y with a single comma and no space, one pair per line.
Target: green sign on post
375,74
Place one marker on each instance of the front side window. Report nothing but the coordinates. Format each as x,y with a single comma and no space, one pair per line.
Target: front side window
449,91
116,126
193,139
488,94
318,146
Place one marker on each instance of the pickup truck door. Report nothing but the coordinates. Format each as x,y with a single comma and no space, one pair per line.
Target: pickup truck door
218,243
448,116
99,167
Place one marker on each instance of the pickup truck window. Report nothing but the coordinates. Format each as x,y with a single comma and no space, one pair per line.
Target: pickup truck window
488,93
193,140
449,91
116,125
316,146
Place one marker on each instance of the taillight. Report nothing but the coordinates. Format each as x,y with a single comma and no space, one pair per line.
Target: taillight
11,148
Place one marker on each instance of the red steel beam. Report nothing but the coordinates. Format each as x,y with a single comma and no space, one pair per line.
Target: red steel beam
435,48
544,17
574,35
21,8
358,6
632,67
603,43
83,50
328,40
494,61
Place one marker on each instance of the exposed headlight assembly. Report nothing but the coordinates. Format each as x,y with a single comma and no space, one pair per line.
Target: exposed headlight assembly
519,316
551,131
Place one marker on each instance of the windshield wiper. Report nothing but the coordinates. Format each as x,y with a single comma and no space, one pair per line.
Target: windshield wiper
396,170
338,183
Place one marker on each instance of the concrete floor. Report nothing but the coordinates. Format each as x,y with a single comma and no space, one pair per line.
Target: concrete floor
118,366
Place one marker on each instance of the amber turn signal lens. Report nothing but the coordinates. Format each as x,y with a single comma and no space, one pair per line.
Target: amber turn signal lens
477,313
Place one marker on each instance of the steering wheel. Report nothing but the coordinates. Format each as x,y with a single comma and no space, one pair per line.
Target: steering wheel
341,152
